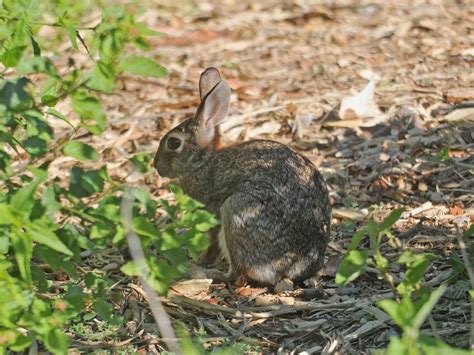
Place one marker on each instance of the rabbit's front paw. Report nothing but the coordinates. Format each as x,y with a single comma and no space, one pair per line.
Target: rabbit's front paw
209,257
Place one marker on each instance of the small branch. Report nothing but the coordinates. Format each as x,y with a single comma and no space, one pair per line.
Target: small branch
161,317
49,24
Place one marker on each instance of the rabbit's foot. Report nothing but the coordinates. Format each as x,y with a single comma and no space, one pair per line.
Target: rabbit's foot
284,286
210,256
230,274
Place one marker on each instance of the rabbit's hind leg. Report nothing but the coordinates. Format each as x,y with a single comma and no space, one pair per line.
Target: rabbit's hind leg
242,239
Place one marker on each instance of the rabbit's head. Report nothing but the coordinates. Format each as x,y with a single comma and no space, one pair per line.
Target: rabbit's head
186,147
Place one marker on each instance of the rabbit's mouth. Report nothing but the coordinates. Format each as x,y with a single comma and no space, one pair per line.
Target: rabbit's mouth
164,167
161,168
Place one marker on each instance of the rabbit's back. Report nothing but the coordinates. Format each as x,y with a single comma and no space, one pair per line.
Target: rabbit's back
274,207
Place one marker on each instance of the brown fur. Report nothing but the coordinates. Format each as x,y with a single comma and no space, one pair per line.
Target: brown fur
272,201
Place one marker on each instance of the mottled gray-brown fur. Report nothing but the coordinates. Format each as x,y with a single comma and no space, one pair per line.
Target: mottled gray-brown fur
272,201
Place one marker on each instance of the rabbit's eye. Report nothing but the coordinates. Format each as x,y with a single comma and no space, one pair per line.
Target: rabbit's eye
174,143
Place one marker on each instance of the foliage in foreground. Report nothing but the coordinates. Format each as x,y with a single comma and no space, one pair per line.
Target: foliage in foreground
413,301
46,226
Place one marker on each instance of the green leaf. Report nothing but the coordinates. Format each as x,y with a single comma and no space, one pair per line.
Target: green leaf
39,279
4,244
160,286
129,269
23,199
7,215
23,248
417,267
49,100
36,47
198,242
469,232
42,233
391,218
185,202
396,347
352,266
144,228
142,66
356,239
435,346
110,211
75,296
12,55
90,111
169,240
146,31
442,155
14,96
425,310
57,114
37,126
85,183
56,341
394,310
90,279
105,311
21,343
141,162
373,231
101,230
49,202
471,293
141,43
102,78
35,146
71,30
50,256
36,65
81,151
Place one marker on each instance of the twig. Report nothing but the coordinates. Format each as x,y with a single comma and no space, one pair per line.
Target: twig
33,348
49,24
161,317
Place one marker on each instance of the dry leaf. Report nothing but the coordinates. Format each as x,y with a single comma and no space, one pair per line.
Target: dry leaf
283,286
460,115
266,300
250,291
456,95
347,214
362,106
191,288
456,211
302,123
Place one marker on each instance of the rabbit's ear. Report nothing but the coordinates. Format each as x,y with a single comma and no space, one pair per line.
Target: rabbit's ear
211,113
208,80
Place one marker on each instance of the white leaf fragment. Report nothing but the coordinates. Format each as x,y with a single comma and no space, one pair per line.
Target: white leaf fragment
362,106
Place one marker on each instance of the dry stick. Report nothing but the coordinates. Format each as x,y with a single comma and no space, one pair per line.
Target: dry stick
161,317
470,273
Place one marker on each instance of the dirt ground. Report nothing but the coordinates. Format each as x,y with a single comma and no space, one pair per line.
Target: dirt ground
402,137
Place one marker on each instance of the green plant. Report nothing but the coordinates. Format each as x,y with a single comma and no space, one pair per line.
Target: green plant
413,302
184,233
46,224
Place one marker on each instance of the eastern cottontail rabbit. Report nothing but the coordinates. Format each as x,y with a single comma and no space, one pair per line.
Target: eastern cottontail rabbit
273,202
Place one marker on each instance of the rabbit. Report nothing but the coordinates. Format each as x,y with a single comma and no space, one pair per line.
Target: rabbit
272,202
